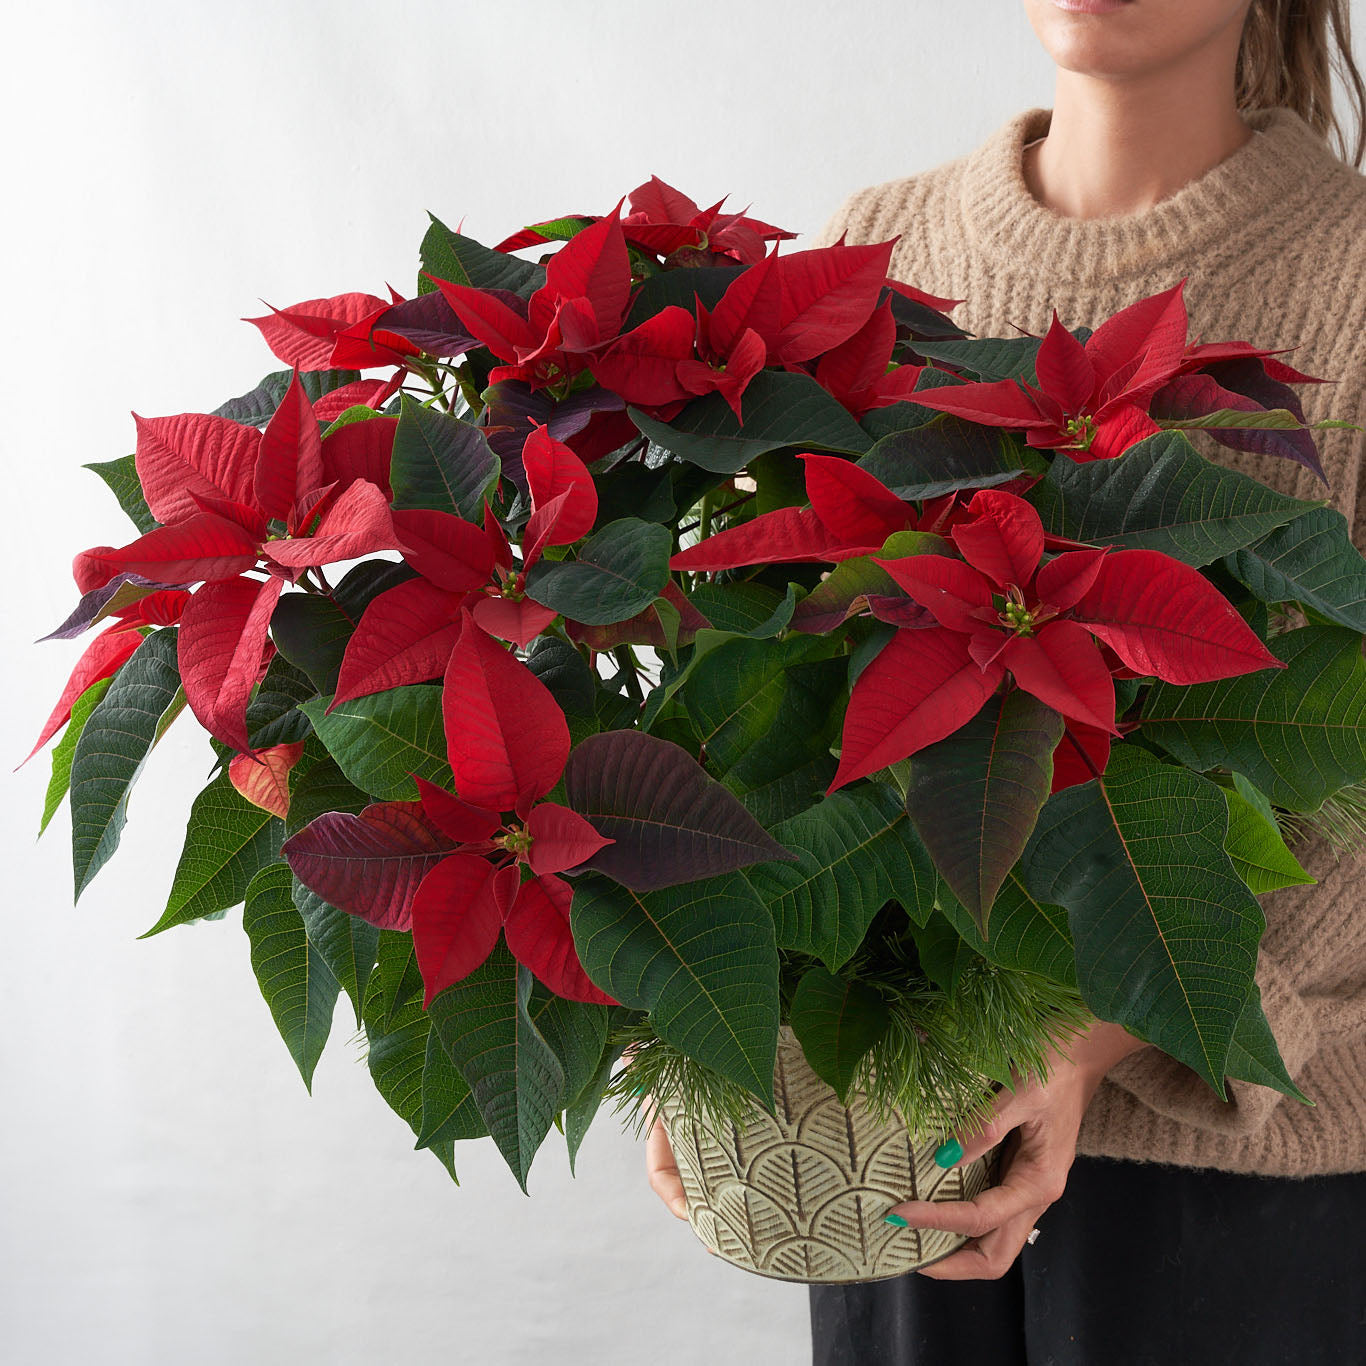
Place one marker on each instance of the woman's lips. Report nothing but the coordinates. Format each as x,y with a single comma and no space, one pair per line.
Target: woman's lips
1091,6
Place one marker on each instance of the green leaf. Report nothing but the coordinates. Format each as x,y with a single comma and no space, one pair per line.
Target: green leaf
1272,419
112,748
298,986
700,958
397,973
397,1056
381,739
743,609
1161,494
678,287
1026,934
452,256
988,358
1256,848
1310,560
448,1108
321,786
836,1022
565,672
256,407
975,796
781,408
1298,733
1166,932
580,1112
346,943
227,842
121,476
65,748
1253,1056
576,1032
766,713
942,456
618,572
856,851
442,463
516,1080
944,953
273,715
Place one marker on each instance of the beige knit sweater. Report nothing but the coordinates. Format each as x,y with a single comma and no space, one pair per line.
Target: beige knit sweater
1273,242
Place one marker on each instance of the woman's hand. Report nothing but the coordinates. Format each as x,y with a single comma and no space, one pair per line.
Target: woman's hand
662,1169
1045,1118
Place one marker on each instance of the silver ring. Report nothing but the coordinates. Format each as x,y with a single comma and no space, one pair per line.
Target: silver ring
1033,1236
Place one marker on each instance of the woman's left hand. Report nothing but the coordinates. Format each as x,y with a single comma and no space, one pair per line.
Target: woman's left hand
1045,1118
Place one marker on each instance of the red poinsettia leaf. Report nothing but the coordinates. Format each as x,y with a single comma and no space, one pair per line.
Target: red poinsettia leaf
553,469
464,823
518,620
364,344
934,301
405,635
497,325
1118,426
919,688
998,403
163,608
191,453
956,593
1064,369
357,523
828,294
505,733
1002,536
1165,619
456,917
250,519
1065,578
372,393
753,300
360,450
222,635
1060,664
1152,330
595,265
659,202
303,334
744,360
783,536
851,503
1069,765
560,839
101,659
858,363
370,864
641,365
289,459
538,936
202,547
445,549
498,539
263,778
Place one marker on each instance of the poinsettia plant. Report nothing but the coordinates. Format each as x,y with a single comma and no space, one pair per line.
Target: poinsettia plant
680,637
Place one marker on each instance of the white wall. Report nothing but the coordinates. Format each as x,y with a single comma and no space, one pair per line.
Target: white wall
169,1194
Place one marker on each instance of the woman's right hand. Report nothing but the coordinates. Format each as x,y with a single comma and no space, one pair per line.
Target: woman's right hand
662,1169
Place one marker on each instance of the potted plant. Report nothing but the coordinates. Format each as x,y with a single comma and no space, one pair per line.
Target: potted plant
735,668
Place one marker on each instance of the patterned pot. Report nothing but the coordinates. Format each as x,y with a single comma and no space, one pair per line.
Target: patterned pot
802,1196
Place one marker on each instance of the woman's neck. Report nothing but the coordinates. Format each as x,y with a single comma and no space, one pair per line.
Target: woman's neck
1119,147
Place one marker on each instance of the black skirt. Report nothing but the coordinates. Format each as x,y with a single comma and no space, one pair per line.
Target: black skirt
1137,1265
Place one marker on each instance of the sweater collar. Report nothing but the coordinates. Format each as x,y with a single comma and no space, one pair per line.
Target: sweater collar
1005,221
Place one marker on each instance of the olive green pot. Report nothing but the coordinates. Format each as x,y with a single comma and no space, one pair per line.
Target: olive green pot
803,1195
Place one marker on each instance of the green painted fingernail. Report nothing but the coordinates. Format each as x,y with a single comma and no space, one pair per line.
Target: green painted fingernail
637,1090
948,1153
895,1219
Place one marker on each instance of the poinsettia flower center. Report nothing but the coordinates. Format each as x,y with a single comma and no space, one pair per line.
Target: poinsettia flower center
1082,430
516,840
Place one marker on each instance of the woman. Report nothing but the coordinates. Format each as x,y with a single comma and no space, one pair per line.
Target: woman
1187,138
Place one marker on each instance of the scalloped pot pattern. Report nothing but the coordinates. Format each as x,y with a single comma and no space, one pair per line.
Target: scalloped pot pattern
801,1196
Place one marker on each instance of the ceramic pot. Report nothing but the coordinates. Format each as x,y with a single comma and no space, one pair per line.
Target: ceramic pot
801,1196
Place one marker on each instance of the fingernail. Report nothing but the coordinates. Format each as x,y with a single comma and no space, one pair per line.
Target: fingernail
896,1220
637,1090
680,1208
948,1153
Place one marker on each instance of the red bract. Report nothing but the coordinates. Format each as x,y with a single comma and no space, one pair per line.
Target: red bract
408,632
508,742
1001,608
333,334
263,778
546,339
664,220
852,513
1091,399
219,485
856,371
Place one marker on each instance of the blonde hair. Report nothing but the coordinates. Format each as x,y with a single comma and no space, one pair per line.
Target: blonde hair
1291,51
